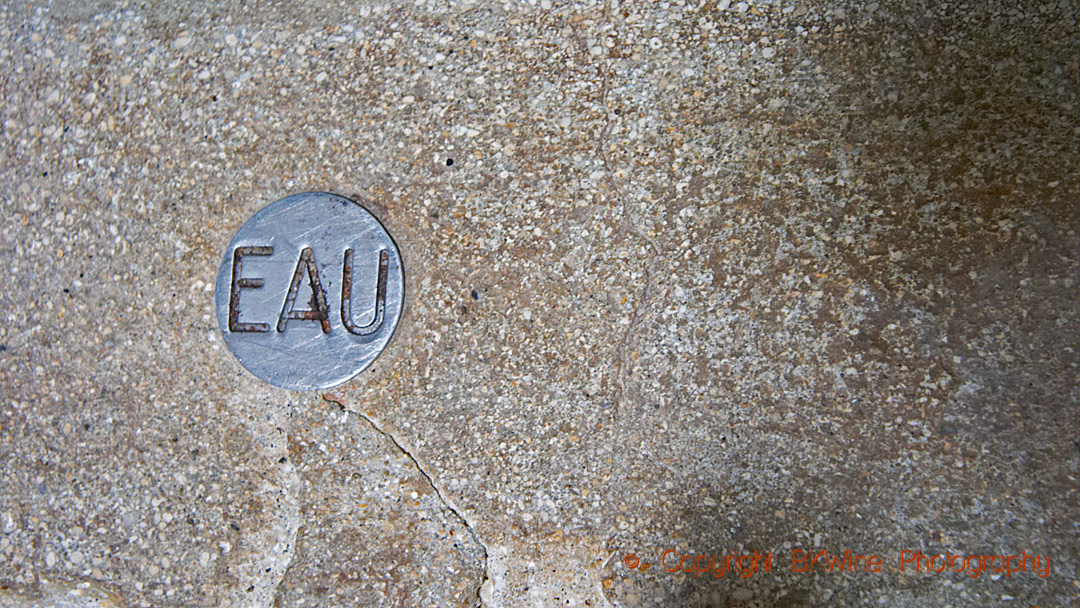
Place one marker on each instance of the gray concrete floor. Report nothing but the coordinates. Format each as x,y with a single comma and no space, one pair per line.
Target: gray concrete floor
703,278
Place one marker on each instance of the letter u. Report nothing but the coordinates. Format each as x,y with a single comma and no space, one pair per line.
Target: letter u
346,295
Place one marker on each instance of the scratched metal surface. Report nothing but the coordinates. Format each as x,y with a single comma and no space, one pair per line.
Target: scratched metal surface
303,356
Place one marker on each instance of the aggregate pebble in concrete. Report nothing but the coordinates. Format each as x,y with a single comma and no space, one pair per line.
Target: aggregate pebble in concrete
710,277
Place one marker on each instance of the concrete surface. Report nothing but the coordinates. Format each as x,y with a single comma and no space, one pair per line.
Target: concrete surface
709,278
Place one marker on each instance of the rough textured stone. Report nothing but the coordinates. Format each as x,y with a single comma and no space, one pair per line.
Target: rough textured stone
374,531
710,277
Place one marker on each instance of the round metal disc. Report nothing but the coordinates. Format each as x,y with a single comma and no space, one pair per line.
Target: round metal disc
310,291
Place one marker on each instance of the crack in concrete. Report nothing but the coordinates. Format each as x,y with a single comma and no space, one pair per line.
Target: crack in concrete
293,519
628,227
277,536
266,550
431,482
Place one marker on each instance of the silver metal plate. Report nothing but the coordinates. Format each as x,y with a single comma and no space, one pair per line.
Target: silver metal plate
310,291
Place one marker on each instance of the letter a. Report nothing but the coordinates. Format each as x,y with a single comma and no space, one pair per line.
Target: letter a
319,312
346,295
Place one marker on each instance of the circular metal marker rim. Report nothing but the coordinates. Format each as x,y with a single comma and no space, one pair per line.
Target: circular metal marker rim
310,291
